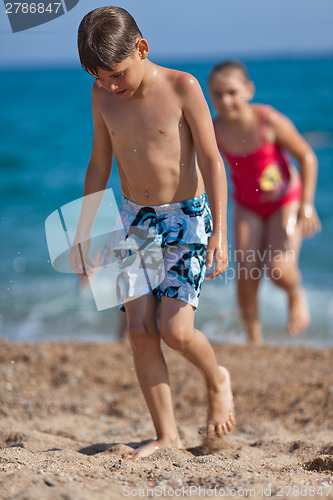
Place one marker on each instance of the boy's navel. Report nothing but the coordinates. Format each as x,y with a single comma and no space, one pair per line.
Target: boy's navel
147,194
161,131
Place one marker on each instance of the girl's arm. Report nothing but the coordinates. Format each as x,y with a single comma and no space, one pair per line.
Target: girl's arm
288,137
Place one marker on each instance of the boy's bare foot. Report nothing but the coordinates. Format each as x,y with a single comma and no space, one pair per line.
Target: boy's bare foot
299,316
221,413
149,448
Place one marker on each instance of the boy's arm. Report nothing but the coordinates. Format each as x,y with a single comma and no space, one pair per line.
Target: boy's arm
288,137
96,180
211,165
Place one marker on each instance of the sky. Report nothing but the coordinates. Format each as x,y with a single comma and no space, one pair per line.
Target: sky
185,29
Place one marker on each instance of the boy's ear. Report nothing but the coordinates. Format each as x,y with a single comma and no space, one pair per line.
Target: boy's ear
142,48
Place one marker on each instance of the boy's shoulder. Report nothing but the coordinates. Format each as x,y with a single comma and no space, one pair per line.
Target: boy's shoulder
96,95
96,89
181,81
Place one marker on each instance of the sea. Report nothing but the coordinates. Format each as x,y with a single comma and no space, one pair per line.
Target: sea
46,136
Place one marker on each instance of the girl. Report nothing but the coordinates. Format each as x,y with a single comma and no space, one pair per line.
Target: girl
274,205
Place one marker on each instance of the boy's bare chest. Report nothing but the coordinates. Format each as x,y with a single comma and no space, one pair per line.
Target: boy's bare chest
149,122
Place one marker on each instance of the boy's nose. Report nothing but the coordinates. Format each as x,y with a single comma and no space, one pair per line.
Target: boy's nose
113,86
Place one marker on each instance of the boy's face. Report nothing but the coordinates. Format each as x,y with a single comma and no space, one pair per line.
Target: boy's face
126,77
230,92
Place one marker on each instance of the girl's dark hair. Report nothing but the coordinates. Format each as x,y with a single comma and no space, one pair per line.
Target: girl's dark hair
106,36
229,66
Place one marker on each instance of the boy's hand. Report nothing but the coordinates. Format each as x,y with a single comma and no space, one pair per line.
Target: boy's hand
217,249
79,258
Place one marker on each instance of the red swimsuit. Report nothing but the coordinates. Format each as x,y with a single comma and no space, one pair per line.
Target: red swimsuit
261,179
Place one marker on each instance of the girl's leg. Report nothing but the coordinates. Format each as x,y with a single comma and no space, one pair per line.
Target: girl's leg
152,372
177,331
249,244
284,239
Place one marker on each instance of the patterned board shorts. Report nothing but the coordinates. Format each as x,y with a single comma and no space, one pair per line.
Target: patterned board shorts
160,250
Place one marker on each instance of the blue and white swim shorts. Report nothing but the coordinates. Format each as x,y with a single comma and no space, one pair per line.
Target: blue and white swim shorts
160,249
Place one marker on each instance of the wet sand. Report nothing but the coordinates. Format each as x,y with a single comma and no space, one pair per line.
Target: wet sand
70,410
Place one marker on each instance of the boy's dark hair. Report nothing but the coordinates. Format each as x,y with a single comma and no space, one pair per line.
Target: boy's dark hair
229,66
106,36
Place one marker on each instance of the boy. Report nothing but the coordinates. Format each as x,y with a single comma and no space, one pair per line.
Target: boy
154,120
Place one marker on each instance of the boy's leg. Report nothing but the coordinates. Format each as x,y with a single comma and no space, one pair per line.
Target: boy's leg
249,240
151,371
122,327
177,331
284,237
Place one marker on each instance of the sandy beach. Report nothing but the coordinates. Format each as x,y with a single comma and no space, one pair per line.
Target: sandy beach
70,410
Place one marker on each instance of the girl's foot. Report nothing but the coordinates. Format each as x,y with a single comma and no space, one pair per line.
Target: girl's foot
299,316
